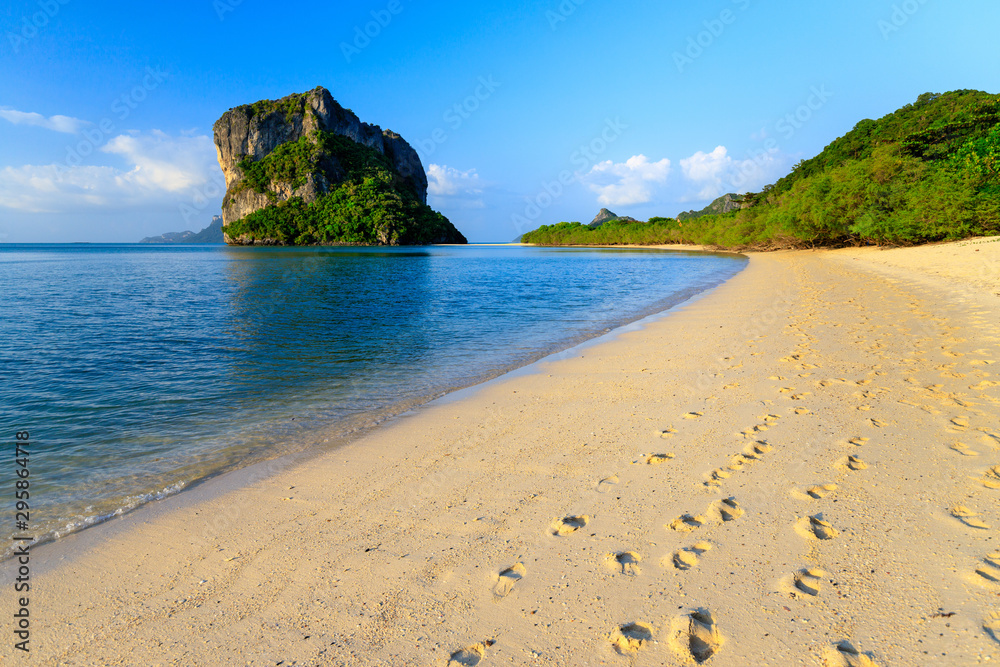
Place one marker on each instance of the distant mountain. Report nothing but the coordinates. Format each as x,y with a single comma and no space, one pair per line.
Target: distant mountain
211,234
602,217
608,216
724,204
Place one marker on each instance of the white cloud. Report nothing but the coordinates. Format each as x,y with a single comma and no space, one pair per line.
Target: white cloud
713,174
159,169
56,123
703,177
627,183
162,162
707,170
453,188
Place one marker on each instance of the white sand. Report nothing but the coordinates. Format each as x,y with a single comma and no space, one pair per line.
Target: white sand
806,458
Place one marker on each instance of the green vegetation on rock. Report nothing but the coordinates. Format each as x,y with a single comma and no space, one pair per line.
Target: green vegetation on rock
928,172
365,212
289,106
369,204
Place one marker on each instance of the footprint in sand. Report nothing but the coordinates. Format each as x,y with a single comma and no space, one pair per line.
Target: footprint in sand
851,463
657,459
688,557
695,636
626,562
752,431
878,423
668,432
694,415
507,579
757,450
967,516
569,525
716,477
960,423
686,523
859,441
815,528
845,655
803,584
989,438
629,639
724,510
737,462
964,450
985,384
988,574
992,626
820,491
470,655
991,478
802,411
605,484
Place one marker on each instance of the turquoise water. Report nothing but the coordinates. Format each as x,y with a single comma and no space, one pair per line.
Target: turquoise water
140,370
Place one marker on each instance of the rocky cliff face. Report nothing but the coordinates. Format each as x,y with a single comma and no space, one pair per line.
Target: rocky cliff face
253,131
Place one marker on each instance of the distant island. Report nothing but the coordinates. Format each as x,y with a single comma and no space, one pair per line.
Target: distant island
927,172
211,234
303,170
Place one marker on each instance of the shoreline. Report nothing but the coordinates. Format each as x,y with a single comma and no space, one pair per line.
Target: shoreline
320,441
676,247
389,548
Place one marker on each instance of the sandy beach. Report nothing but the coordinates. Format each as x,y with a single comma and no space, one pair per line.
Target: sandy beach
801,467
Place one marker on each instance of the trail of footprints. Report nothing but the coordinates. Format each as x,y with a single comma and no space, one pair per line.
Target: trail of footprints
695,636
751,453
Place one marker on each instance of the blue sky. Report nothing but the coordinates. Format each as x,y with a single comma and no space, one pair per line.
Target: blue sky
524,112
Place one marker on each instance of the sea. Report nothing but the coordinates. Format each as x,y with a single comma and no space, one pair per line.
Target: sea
142,370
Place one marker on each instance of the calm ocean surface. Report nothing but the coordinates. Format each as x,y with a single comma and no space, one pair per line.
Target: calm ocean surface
141,369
